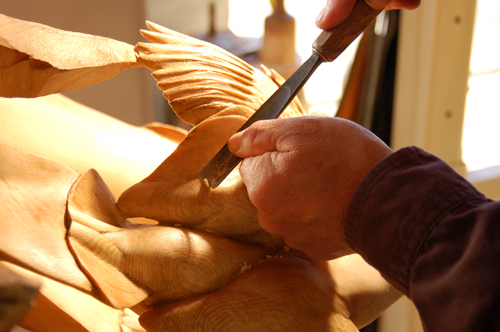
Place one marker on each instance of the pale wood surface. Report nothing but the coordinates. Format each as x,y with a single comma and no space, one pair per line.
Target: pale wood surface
61,308
128,95
65,227
82,138
33,191
120,256
217,92
285,293
38,60
117,258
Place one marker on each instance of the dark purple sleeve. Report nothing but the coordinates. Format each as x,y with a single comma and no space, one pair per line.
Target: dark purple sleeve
433,236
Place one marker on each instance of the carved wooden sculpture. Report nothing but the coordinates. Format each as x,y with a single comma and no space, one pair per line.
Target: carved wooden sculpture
38,60
216,92
81,138
33,244
62,226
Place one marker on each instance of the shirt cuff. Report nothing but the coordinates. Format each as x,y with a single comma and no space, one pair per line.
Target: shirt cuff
396,207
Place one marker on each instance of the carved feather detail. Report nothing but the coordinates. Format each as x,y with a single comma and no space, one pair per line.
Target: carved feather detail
200,79
217,92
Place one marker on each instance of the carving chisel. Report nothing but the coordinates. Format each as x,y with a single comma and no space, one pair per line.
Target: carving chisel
326,48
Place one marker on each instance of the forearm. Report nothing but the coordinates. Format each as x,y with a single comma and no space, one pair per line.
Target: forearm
432,235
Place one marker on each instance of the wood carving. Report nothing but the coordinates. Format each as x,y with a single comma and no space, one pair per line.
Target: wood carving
55,126
206,265
62,308
216,92
33,244
37,60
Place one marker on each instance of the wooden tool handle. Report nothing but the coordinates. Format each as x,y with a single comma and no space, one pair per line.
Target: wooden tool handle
330,43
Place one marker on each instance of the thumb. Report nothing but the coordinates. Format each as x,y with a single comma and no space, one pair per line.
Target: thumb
334,13
259,138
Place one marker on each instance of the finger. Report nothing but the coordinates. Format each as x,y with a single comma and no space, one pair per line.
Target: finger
393,4
259,138
320,114
270,224
261,175
404,4
235,143
334,13
379,4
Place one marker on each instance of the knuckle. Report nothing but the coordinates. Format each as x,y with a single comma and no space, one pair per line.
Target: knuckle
260,197
249,135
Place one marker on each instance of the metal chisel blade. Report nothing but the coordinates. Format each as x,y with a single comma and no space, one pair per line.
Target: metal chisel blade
224,161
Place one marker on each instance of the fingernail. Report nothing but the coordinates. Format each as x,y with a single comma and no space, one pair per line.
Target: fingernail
234,145
321,15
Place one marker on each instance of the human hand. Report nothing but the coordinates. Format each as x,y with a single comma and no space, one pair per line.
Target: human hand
336,11
302,173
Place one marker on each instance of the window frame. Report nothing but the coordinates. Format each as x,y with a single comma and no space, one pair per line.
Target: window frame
434,49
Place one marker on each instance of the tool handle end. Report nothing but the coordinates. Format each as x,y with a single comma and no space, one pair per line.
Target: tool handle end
330,43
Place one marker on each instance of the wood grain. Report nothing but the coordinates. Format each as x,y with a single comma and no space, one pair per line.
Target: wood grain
37,60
